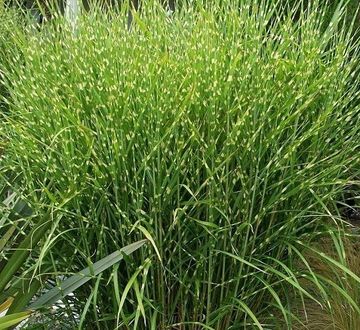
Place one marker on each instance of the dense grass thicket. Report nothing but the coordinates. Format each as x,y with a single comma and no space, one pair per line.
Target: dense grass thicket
222,134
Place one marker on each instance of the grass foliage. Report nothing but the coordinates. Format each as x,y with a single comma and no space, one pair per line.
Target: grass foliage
342,311
8,22
222,134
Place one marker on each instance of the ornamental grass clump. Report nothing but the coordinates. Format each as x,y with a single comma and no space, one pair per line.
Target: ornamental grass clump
222,134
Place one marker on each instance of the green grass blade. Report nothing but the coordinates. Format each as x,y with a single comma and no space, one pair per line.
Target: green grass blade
75,281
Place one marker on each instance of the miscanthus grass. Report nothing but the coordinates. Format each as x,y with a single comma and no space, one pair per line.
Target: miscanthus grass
224,134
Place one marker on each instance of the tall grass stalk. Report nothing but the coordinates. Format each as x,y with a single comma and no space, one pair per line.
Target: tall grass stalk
222,134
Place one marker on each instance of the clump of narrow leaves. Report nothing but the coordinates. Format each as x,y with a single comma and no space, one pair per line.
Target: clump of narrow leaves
224,134
340,308
17,285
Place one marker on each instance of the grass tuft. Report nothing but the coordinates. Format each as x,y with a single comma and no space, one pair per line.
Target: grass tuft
222,134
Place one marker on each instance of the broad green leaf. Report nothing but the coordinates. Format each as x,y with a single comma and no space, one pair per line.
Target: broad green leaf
5,305
75,281
17,259
13,319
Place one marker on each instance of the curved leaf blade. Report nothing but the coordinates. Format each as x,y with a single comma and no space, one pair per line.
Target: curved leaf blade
13,319
77,280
